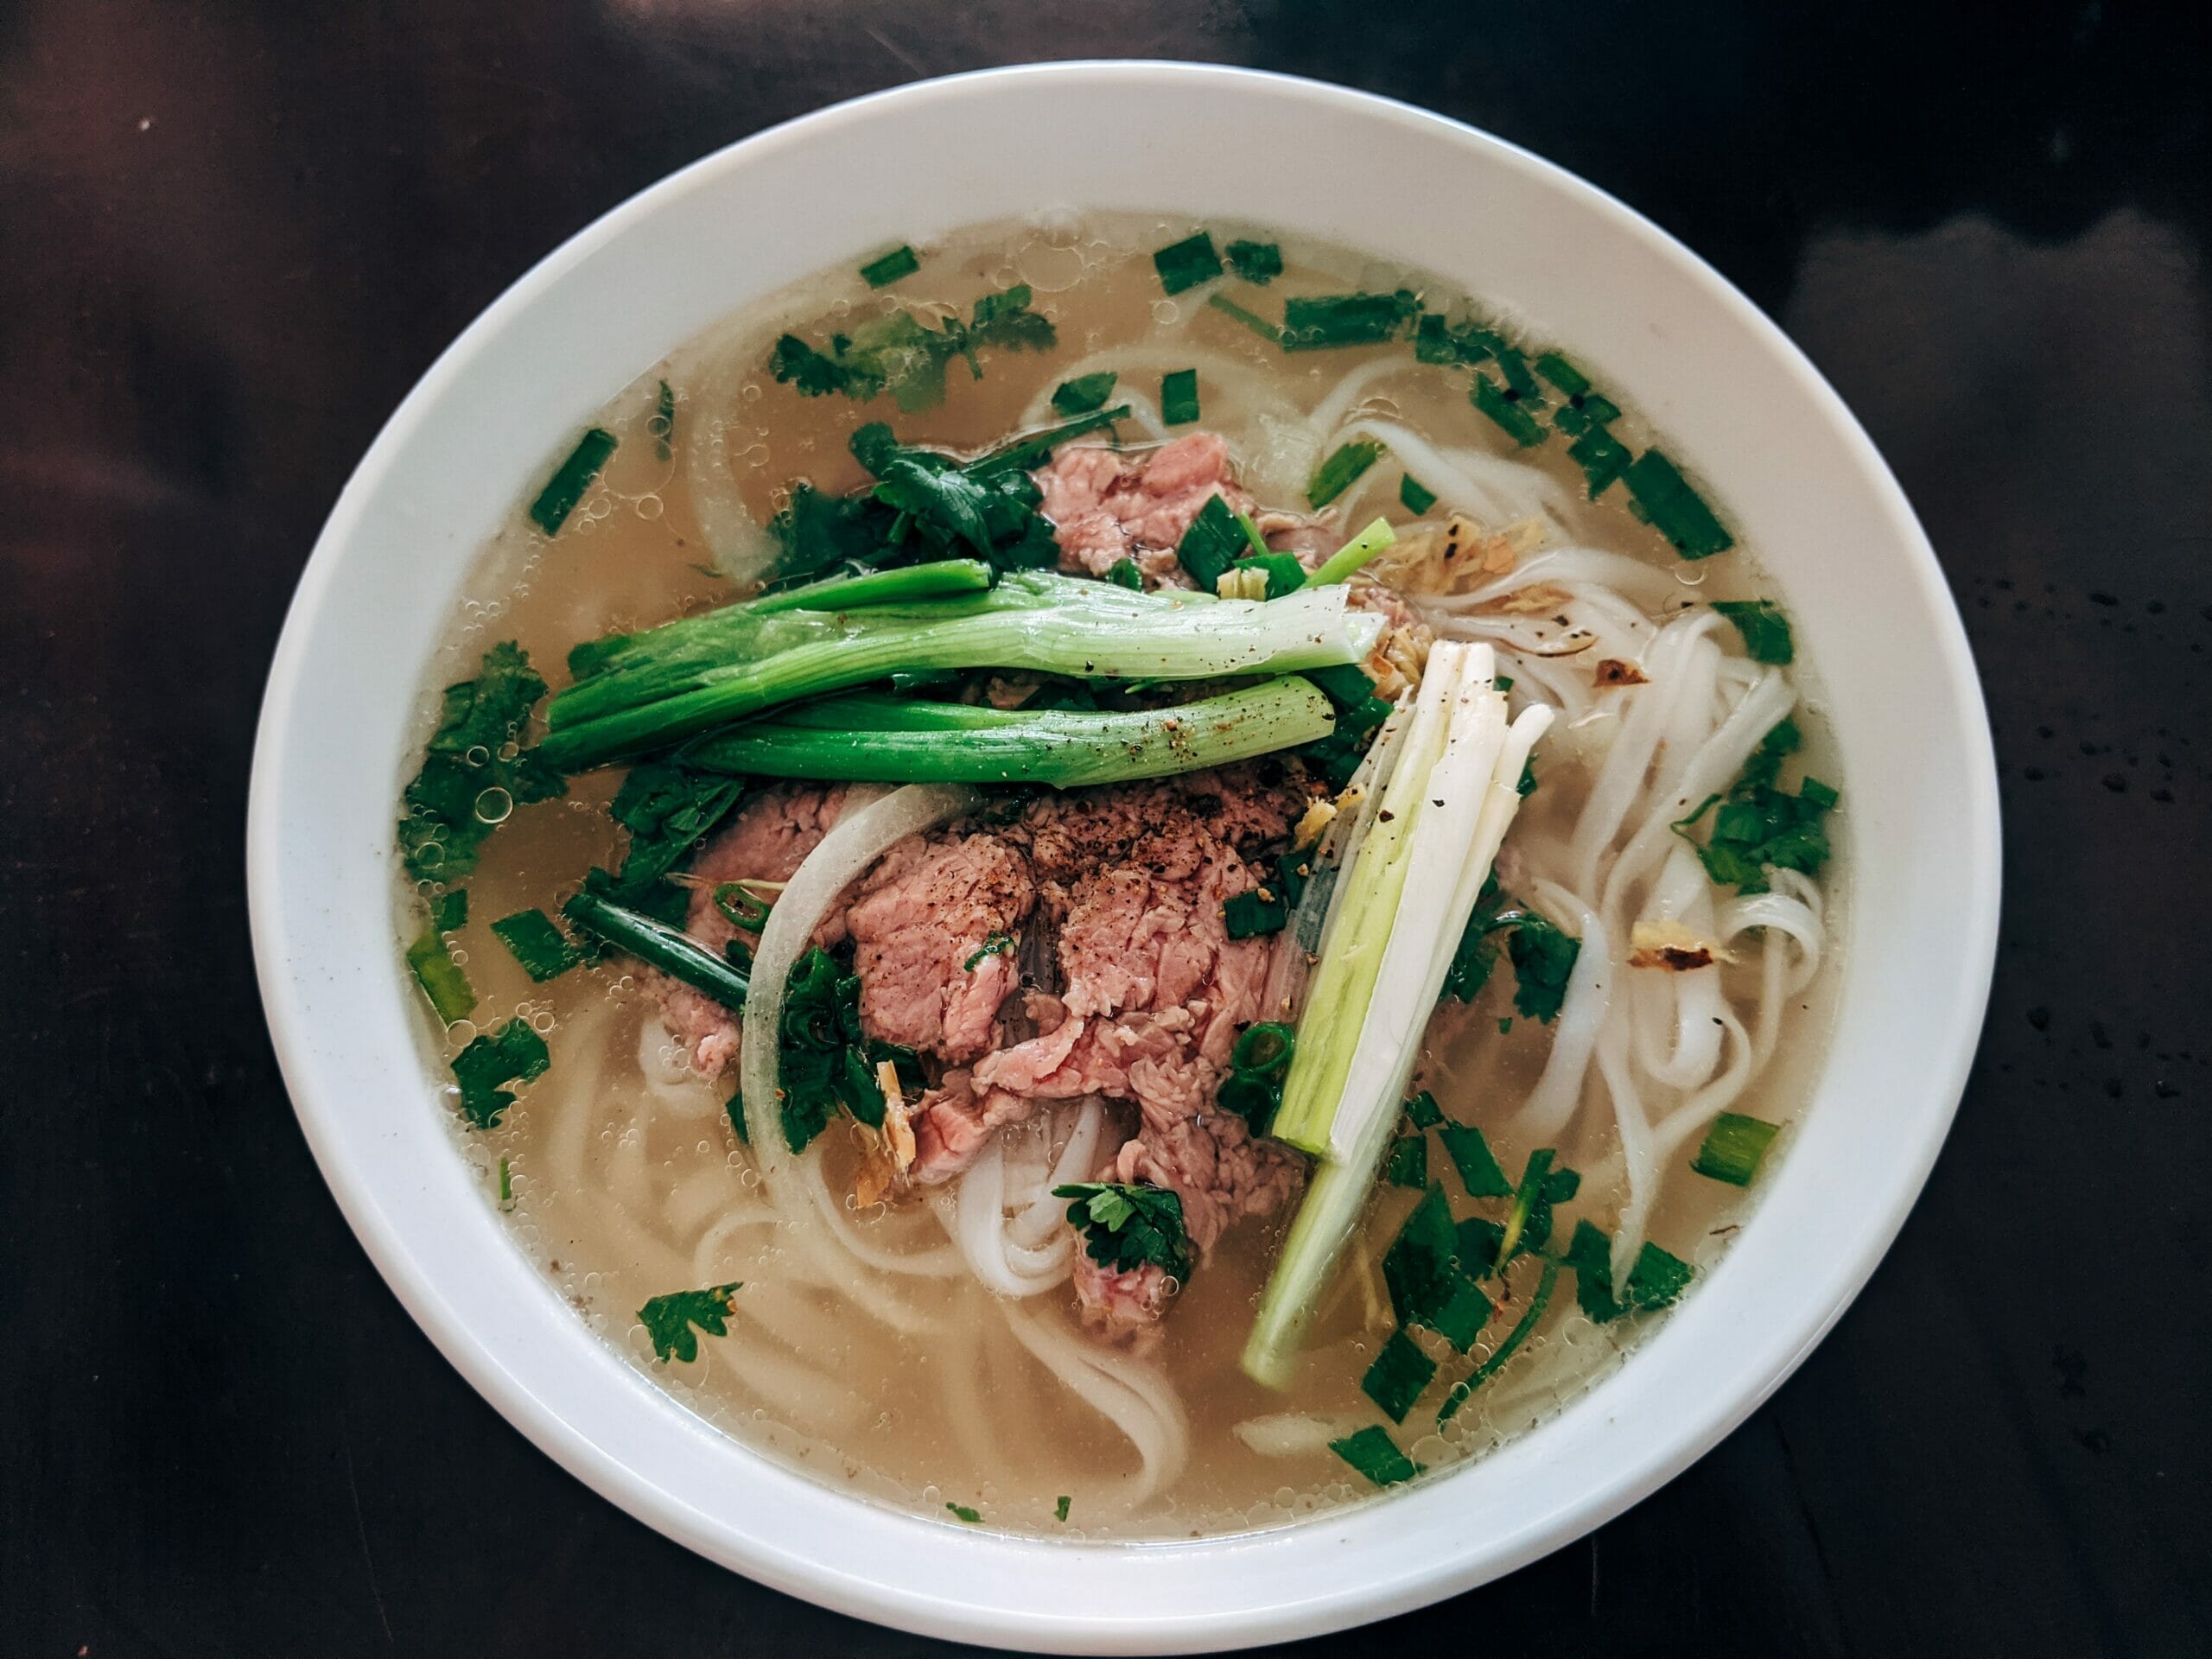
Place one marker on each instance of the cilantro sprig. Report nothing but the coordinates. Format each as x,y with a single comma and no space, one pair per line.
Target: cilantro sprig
1124,1226
669,1319
906,356
455,801
1759,826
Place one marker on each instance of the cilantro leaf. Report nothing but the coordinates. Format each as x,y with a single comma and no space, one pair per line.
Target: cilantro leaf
1543,960
1084,393
467,765
669,1319
513,1053
1760,827
668,809
1125,1226
901,354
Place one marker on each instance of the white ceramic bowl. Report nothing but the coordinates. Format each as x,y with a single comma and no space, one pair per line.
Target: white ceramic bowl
1799,478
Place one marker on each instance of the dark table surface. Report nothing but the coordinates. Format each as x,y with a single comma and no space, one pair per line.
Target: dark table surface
231,237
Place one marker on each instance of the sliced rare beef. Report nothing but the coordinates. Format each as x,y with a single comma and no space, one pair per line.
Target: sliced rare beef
770,836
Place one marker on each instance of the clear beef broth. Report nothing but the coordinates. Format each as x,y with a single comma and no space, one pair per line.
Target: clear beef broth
624,1175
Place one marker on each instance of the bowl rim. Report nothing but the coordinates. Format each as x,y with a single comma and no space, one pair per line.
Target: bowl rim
971,1617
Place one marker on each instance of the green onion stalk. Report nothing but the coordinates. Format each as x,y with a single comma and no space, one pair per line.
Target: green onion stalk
901,741
713,670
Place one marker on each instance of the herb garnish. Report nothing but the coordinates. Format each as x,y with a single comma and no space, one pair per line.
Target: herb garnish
1733,1149
826,1061
1655,1280
544,951
1084,393
1399,1374
1764,628
965,1514
1186,263
1504,1350
1337,473
1543,955
1179,397
1252,320
1061,1508
1408,1164
1663,499
571,479
669,1319
1124,1227
906,356
472,774
513,1053
901,261
1414,497
1760,827
1256,262
999,945
1257,1065
1424,1111
1499,403
1471,1155
439,975
1376,1456
1213,545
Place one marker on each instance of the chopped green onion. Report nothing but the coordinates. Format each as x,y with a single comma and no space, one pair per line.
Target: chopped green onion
1186,263
513,1053
1471,1155
1414,497
1733,1147
1284,574
1496,403
1663,499
1585,412
1337,473
1397,1378
965,1514
571,479
1061,1508
672,950
1345,319
1026,453
1602,457
1407,1164
1424,1111
1464,1314
1765,629
1179,397
1524,1200
544,951
661,425
1213,543
1124,573
1354,553
1084,393
1504,1350
1252,320
901,261
1421,1265
1376,1456
1655,1280
1256,262
999,945
1562,374
507,1184
451,995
